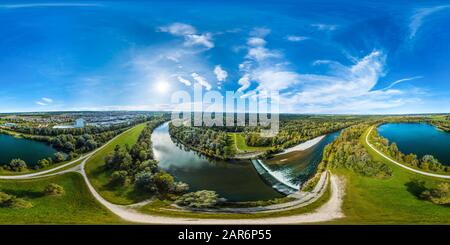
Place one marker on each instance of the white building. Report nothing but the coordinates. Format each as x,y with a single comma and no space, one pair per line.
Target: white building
79,123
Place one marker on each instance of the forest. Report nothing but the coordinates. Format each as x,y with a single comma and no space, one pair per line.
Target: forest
213,143
347,152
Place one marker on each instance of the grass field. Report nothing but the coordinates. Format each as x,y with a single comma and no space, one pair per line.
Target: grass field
238,140
76,206
392,200
99,176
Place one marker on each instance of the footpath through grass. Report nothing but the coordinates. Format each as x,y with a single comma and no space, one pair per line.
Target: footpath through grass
99,176
76,206
392,200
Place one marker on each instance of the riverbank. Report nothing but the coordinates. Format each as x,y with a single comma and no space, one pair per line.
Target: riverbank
302,146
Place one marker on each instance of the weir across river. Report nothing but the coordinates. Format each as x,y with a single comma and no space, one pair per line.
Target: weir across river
275,179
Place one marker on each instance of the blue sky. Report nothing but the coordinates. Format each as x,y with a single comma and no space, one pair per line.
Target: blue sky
322,56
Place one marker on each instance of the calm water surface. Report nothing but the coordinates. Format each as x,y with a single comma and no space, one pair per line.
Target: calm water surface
234,180
28,150
418,138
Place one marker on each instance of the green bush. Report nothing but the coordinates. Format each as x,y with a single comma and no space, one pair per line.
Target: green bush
199,199
54,190
17,165
11,201
438,195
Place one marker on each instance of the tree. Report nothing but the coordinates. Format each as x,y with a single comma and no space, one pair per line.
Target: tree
53,189
59,157
120,178
43,163
180,188
199,199
163,181
144,182
17,165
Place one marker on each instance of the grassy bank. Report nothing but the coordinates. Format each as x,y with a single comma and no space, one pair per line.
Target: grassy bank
76,206
238,140
100,177
392,200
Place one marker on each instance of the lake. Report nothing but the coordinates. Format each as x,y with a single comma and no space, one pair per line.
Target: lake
418,138
28,150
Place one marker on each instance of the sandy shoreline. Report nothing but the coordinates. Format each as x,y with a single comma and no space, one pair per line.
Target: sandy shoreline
303,146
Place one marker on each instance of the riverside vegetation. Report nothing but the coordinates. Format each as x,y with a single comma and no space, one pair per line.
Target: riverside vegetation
218,142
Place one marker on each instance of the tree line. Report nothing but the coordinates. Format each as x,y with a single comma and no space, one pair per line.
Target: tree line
136,166
213,143
347,152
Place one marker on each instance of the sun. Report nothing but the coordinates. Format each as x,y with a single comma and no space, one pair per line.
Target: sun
162,87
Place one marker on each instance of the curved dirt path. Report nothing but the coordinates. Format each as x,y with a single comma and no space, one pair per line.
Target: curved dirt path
329,211
401,165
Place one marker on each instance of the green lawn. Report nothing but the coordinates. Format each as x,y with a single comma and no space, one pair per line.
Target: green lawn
76,206
99,176
238,140
392,200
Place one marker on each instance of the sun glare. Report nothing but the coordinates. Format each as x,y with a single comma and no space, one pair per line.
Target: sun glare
162,87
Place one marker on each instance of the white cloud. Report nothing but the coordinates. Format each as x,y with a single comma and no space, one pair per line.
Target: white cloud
256,41
179,29
190,35
244,81
220,73
324,27
296,38
261,53
184,81
199,40
201,80
274,80
44,101
402,80
47,100
260,32
419,16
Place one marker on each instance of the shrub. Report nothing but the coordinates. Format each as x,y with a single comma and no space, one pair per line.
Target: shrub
59,157
17,165
180,188
11,201
199,199
43,163
54,190
438,195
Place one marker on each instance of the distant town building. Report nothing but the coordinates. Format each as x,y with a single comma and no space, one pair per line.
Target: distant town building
9,125
79,123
